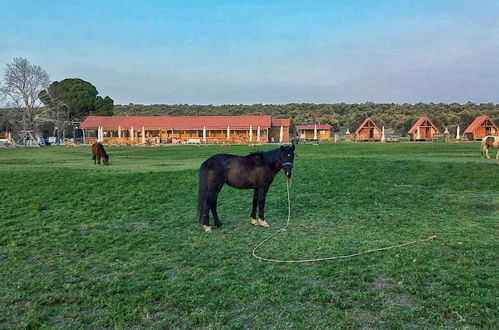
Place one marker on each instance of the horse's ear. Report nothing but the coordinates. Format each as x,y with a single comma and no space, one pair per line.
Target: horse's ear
281,147
293,147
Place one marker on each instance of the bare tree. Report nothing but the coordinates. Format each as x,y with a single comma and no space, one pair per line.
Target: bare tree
22,83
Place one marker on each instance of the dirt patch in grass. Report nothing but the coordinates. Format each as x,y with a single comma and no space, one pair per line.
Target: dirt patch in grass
382,283
394,300
402,300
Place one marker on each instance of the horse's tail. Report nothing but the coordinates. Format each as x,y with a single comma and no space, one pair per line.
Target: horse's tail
203,191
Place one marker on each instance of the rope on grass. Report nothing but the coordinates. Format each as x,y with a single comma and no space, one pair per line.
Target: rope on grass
283,229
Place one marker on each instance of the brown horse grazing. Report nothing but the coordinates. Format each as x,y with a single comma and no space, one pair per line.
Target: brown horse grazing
98,152
254,171
487,142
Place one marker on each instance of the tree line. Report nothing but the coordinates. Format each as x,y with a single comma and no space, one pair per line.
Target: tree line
36,102
397,117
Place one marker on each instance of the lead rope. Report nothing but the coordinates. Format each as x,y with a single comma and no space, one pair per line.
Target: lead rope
328,258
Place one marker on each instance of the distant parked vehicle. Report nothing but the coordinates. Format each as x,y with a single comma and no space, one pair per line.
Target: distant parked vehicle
392,138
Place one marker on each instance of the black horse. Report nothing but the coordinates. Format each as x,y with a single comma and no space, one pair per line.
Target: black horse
254,171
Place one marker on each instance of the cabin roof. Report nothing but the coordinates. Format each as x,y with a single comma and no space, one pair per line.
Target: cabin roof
281,122
182,122
312,127
478,122
420,121
364,123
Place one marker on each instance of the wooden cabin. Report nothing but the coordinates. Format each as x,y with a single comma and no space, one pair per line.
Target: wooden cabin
481,127
279,130
423,130
314,132
184,129
368,131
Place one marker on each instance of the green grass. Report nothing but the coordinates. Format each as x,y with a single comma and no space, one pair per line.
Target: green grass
119,246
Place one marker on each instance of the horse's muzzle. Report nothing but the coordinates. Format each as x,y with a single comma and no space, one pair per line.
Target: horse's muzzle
287,170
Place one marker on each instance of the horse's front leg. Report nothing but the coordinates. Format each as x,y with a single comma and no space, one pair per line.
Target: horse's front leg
262,195
253,220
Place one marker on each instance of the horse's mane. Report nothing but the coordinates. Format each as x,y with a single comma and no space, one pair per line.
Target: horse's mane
269,157
102,150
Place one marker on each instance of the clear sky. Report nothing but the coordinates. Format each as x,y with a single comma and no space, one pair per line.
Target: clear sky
272,51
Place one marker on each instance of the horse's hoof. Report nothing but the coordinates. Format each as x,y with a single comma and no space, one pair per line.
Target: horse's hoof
253,221
206,228
263,223
219,225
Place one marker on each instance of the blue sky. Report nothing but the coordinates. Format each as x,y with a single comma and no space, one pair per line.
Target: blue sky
245,52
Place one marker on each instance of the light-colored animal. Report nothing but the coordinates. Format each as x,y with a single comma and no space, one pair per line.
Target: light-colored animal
487,142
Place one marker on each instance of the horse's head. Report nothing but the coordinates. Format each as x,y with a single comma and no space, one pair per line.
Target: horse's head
287,157
105,160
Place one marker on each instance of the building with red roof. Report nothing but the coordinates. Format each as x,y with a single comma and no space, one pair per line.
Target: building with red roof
279,130
480,127
313,132
368,131
423,130
185,129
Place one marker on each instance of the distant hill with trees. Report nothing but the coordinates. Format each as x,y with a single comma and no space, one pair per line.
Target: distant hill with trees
398,117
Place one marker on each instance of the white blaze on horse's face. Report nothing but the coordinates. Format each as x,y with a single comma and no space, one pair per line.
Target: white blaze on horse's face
287,159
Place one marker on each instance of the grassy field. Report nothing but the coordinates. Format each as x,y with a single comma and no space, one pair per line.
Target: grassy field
119,246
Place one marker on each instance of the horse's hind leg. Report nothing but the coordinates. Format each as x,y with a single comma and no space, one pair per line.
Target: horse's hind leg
216,219
213,204
206,217
216,182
